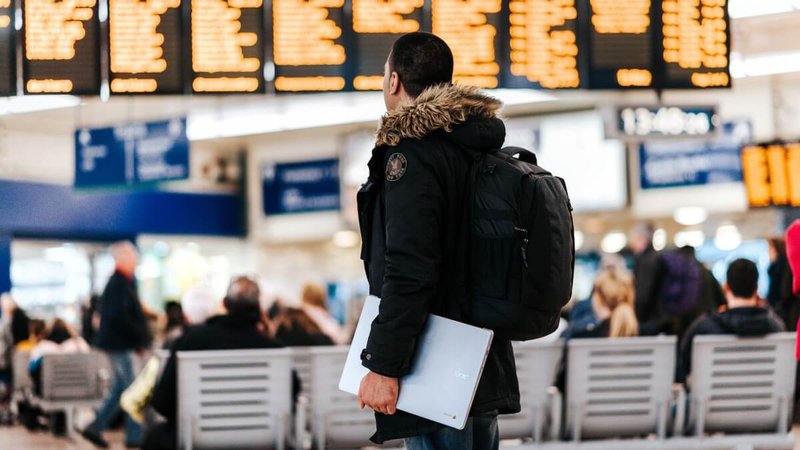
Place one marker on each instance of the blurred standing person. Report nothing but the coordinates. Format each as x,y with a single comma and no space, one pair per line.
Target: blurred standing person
647,281
6,356
123,332
780,296
176,322
90,319
315,305
709,296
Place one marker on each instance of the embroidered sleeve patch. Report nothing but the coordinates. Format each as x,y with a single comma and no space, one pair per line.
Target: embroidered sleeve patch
396,167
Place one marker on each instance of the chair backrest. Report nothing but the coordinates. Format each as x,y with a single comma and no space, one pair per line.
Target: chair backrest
537,363
336,417
743,384
234,398
620,386
22,378
70,377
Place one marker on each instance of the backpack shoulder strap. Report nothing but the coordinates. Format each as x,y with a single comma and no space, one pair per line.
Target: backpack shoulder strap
524,155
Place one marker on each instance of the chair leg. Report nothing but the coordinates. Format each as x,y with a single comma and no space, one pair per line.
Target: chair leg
536,417
577,423
700,425
319,432
661,407
783,415
69,418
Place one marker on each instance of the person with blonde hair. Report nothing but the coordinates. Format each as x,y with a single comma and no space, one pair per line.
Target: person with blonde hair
612,300
315,305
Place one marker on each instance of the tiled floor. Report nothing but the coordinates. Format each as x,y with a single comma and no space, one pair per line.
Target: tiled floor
18,438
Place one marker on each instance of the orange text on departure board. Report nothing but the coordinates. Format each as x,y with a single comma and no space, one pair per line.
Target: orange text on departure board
695,37
304,35
134,43
543,55
772,174
620,16
463,24
217,45
5,19
53,27
382,16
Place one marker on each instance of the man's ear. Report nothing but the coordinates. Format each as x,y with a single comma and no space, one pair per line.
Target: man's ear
394,84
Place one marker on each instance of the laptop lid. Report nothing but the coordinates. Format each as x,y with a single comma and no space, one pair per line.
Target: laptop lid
444,372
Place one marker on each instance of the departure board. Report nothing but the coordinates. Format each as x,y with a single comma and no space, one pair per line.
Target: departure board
621,42
308,48
472,30
8,54
227,46
61,47
543,44
696,46
376,25
145,41
772,174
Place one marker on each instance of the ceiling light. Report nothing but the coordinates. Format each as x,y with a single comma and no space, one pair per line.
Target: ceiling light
33,103
660,239
690,215
765,64
614,242
728,238
750,8
694,238
579,240
346,239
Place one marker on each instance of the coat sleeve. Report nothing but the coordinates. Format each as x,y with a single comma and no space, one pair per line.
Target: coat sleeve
414,206
165,395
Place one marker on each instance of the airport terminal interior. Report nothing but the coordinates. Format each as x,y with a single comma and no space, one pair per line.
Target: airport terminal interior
162,160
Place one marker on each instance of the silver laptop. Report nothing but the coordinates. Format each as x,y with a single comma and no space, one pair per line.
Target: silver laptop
444,372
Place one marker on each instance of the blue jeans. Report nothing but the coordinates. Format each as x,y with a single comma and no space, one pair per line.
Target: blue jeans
123,375
480,433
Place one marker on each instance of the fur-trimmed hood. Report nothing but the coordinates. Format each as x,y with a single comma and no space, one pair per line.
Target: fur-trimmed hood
437,108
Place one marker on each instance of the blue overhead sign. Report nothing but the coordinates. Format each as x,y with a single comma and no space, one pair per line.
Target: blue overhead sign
301,187
132,153
674,163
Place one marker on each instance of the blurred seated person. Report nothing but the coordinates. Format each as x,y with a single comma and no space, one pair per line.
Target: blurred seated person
37,331
315,305
238,329
176,322
612,304
744,317
59,339
296,329
581,316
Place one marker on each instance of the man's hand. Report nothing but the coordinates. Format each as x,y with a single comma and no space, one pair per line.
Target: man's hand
379,393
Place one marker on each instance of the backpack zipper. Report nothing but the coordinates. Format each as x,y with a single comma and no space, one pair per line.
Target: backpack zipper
524,248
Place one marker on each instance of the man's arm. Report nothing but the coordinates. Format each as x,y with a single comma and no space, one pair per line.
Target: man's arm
414,209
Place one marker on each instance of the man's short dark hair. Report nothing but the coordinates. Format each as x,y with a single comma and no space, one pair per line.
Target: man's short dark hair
243,299
743,278
421,60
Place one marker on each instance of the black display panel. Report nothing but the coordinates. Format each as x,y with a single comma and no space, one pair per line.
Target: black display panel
376,24
61,47
695,44
620,40
543,48
227,43
308,45
473,30
8,51
145,47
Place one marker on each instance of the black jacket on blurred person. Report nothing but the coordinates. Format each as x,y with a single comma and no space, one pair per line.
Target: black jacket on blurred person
123,326
647,275
415,226
297,329
780,296
748,321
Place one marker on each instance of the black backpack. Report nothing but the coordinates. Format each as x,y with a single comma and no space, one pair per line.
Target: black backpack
523,250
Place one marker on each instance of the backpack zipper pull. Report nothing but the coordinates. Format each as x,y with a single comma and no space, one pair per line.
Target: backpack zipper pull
524,248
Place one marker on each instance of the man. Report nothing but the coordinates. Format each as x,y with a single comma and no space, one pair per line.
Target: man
744,317
414,215
239,329
647,273
123,332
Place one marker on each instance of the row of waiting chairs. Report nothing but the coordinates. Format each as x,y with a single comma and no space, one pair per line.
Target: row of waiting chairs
615,388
